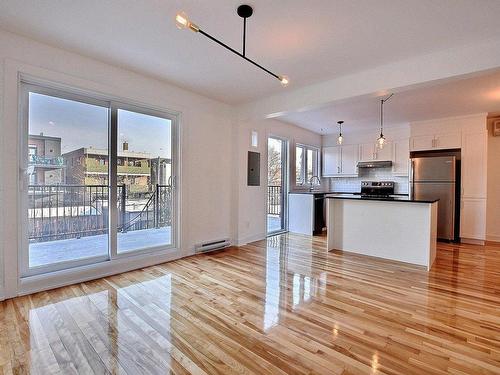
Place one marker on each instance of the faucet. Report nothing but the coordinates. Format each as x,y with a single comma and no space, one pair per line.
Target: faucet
311,182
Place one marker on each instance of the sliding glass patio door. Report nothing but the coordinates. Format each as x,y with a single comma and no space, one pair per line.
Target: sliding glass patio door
96,178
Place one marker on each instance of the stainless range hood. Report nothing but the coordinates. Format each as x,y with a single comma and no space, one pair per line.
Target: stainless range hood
375,164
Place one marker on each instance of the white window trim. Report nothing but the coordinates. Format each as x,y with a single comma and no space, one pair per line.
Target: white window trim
304,163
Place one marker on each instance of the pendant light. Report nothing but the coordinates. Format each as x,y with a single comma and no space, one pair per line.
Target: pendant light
244,11
340,139
381,139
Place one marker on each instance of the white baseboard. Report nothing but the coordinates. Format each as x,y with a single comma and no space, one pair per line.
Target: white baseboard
472,241
253,238
33,284
493,238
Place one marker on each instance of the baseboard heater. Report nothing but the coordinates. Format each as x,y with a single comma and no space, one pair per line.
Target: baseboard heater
212,245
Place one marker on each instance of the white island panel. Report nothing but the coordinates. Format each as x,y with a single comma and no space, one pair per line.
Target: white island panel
301,213
402,231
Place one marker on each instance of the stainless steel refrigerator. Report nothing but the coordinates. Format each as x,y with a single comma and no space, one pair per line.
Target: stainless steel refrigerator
434,178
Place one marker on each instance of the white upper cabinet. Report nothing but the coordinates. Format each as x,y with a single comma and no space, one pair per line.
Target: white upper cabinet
331,161
350,159
422,142
474,154
448,140
367,152
436,141
340,161
384,153
401,157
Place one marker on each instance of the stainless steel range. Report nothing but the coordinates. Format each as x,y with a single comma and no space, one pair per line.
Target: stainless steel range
377,189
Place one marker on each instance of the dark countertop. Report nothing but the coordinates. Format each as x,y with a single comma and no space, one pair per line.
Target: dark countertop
314,192
394,198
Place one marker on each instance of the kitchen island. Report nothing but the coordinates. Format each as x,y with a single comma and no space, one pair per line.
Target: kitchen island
396,228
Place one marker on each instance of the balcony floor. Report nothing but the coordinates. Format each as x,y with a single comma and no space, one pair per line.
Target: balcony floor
273,223
44,253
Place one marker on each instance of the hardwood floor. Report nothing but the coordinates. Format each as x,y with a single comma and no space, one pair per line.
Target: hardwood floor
278,306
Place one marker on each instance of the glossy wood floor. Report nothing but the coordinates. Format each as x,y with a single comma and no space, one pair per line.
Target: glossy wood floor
278,306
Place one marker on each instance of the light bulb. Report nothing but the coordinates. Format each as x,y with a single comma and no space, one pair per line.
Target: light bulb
181,21
381,141
340,139
284,81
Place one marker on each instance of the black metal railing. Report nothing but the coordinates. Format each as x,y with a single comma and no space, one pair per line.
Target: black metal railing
274,200
60,211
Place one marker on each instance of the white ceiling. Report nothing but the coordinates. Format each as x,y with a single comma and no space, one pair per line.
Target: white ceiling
477,94
309,40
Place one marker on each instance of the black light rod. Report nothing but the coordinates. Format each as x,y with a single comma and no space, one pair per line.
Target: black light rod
244,35
239,54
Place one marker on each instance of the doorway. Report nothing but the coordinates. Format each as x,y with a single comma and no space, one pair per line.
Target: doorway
277,184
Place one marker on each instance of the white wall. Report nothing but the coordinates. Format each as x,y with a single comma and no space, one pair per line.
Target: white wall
493,192
206,138
251,200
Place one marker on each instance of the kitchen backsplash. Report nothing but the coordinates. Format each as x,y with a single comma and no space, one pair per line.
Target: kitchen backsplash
353,184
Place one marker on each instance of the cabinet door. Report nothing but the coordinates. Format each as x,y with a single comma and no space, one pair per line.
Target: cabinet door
367,152
473,219
350,159
385,153
401,157
422,142
450,140
474,154
331,161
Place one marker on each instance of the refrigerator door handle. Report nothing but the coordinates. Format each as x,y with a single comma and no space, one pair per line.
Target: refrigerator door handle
412,178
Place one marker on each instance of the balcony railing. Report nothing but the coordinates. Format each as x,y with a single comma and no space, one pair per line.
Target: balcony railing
36,160
57,212
274,200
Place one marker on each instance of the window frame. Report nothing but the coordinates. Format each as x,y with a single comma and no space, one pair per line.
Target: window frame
25,87
304,159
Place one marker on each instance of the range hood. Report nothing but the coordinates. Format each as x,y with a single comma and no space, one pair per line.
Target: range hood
375,164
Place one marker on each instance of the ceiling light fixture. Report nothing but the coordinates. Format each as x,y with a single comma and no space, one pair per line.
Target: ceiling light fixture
381,139
340,139
244,11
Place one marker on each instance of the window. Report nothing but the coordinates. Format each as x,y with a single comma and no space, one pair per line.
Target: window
306,164
84,204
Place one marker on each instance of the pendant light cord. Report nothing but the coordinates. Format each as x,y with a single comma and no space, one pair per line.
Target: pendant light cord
382,101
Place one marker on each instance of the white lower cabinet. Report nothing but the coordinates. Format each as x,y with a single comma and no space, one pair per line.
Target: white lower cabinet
473,219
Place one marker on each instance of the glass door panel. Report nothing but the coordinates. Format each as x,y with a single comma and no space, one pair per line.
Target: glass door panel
144,179
66,176
276,184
